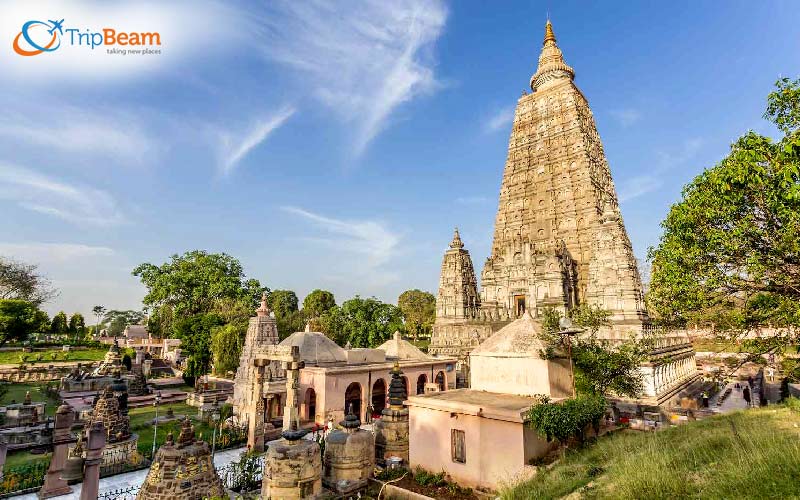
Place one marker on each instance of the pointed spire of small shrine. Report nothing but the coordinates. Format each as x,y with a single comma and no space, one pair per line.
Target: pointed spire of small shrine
264,309
456,243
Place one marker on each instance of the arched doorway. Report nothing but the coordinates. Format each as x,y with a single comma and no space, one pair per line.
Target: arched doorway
405,385
440,381
352,397
311,404
421,381
378,398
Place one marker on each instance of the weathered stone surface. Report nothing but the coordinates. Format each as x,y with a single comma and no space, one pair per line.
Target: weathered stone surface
559,238
182,471
292,470
107,411
391,430
349,457
262,331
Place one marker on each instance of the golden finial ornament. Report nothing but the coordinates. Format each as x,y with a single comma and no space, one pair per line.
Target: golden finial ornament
549,36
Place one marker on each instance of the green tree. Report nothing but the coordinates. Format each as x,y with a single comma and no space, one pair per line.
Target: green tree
194,282
362,322
42,322
601,368
730,252
195,335
226,344
59,325
76,323
98,312
419,311
23,282
318,303
565,419
288,317
18,319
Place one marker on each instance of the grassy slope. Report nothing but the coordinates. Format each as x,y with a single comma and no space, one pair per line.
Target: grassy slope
12,357
16,392
746,454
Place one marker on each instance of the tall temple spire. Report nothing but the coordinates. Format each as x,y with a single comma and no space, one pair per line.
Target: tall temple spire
551,61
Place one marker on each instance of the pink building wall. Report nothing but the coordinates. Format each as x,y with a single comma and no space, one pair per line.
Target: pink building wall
496,450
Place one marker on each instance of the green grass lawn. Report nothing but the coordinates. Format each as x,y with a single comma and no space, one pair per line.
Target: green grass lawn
13,357
19,458
745,454
16,392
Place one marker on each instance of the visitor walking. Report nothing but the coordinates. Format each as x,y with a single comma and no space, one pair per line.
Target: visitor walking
771,374
746,395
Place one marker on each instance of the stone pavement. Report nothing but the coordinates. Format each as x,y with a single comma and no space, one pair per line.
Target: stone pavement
136,478
735,400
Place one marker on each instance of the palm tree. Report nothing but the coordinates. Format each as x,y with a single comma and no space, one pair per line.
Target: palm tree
98,311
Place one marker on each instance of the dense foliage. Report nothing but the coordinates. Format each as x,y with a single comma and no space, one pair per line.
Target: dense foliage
730,252
317,303
362,322
567,419
18,319
419,311
192,283
284,305
601,368
195,334
226,346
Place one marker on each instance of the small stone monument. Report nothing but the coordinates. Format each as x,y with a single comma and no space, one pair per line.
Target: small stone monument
95,443
182,471
293,465
54,485
121,445
391,430
349,457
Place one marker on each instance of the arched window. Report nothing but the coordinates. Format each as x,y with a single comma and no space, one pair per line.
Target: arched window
311,404
421,381
378,398
352,396
440,381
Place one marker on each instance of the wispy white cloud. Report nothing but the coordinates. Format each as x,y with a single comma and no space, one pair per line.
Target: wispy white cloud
369,239
636,186
500,120
362,59
81,130
236,148
81,205
52,252
627,116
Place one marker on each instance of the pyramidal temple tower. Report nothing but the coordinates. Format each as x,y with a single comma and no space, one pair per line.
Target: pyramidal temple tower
558,212
559,238
262,331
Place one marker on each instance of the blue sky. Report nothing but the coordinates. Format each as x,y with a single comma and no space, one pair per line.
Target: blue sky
336,144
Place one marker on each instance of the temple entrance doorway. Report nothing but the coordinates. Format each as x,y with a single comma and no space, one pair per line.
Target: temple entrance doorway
311,404
378,398
440,381
352,396
519,301
421,381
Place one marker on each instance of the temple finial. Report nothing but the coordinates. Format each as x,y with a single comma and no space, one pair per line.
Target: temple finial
549,36
264,309
552,67
456,243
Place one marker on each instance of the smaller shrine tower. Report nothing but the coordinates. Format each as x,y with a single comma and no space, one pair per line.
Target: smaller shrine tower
261,332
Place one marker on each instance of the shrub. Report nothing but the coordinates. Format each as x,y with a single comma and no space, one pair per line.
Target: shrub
425,478
567,419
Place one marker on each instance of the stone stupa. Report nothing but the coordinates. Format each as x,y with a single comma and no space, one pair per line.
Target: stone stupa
183,470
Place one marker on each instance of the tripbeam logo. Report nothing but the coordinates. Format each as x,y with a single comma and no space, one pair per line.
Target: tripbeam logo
39,37
33,33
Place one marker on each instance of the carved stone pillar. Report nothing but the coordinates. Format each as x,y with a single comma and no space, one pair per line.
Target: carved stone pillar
255,428
95,442
292,368
53,484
